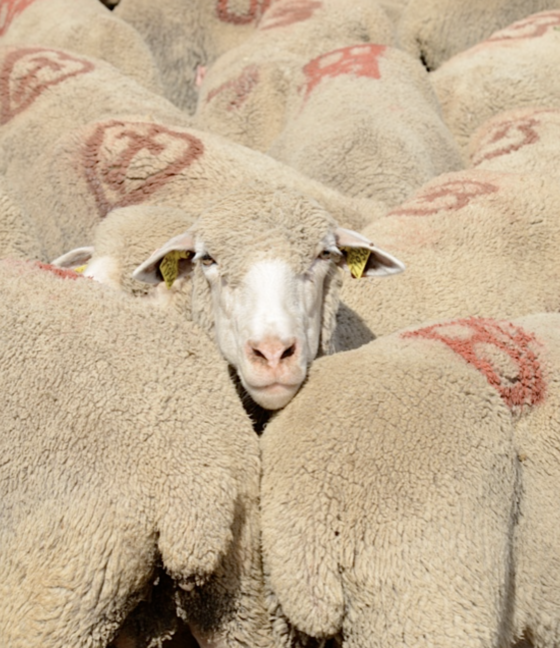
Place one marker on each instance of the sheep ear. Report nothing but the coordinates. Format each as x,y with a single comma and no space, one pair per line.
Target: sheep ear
168,263
77,259
362,258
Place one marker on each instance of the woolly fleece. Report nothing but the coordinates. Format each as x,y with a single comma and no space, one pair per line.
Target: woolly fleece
514,68
409,491
117,460
474,243
85,27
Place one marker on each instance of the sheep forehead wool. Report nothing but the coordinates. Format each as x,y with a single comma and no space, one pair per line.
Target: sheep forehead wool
503,352
115,175
281,224
27,72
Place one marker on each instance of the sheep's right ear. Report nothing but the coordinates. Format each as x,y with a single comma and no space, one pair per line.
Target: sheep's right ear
168,263
77,259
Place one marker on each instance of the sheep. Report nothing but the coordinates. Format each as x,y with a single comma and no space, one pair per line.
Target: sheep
514,68
118,469
409,493
525,140
17,234
86,27
185,36
123,162
263,267
380,133
245,92
474,243
434,32
46,92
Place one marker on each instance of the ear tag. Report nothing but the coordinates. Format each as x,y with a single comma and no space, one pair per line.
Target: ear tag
357,259
169,266
81,268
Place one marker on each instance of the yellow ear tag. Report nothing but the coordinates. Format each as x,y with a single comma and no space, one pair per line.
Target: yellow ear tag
357,259
169,266
81,268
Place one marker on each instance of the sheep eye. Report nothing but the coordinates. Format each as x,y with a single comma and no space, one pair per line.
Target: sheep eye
326,255
207,260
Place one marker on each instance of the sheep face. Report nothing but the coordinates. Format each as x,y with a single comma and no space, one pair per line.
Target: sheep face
264,267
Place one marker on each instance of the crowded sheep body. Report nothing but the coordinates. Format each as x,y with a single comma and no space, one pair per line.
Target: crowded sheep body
219,428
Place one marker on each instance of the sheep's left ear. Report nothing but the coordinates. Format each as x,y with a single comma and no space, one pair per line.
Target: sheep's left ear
362,258
168,263
77,259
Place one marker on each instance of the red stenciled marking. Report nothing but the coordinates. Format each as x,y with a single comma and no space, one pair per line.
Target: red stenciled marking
526,387
253,13
531,27
59,272
26,73
240,87
289,12
9,9
522,131
110,153
359,60
450,196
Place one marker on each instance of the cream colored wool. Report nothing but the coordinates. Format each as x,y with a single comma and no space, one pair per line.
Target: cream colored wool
44,93
17,235
123,240
85,27
117,460
367,123
525,140
435,31
514,68
125,162
184,35
409,492
245,92
474,243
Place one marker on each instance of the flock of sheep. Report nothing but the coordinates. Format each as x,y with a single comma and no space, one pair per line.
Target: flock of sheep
218,427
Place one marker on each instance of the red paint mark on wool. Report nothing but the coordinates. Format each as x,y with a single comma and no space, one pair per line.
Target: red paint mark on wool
127,162
449,196
238,89
531,27
525,388
514,135
284,14
10,9
252,12
59,272
28,72
357,60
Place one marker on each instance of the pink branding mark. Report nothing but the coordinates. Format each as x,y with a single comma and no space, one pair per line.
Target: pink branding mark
251,14
509,136
357,60
26,73
127,162
471,337
238,89
449,196
283,14
63,273
531,27
10,9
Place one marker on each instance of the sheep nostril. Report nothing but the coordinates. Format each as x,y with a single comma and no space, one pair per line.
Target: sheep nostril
289,352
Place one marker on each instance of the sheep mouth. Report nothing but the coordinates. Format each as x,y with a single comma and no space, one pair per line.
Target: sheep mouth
273,396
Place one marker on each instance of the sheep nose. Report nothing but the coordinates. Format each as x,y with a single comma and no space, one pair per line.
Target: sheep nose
272,352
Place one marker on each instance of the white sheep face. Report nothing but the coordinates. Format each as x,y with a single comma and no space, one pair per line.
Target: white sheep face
263,266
